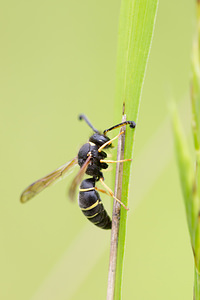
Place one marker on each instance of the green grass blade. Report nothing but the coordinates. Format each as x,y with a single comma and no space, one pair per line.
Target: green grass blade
190,195
186,172
195,83
137,19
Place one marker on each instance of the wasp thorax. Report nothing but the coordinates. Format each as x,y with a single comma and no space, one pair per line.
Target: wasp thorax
99,139
96,165
83,154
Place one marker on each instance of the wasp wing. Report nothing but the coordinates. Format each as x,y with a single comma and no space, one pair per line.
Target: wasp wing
77,180
46,181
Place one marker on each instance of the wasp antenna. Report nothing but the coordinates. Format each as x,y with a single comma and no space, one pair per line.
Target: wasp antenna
83,117
131,123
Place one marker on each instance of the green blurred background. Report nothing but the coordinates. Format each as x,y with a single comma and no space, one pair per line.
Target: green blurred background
58,59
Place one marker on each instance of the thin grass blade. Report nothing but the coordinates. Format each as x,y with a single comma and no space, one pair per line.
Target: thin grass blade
137,20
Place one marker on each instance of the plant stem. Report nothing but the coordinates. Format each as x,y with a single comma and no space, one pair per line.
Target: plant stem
196,285
116,216
195,99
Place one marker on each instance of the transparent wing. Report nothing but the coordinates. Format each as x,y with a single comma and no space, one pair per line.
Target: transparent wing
77,180
46,181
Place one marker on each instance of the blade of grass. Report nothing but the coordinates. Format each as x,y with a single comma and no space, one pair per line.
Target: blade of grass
195,101
186,172
190,177
190,195
137,20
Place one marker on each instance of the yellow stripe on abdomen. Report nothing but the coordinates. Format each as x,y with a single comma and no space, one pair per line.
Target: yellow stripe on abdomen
89,217
92,206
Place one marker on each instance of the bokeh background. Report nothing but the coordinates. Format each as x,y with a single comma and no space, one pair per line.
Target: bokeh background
58,59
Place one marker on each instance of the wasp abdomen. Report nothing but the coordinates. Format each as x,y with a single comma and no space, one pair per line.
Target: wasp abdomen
91,205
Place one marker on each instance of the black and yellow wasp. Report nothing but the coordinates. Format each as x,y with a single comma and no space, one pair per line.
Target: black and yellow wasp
91,160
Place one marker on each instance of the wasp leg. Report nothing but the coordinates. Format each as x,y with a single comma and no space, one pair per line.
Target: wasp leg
131,123
94,188
109,142
112,194
115,161
101,191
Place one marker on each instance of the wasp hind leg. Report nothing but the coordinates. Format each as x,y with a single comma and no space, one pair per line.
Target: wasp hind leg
112,194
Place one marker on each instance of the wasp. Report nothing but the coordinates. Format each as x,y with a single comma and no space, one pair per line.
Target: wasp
92,160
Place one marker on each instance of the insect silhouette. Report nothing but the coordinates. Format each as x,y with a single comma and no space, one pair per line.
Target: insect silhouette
91,159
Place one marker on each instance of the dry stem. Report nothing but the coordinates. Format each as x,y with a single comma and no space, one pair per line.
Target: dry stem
116,216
